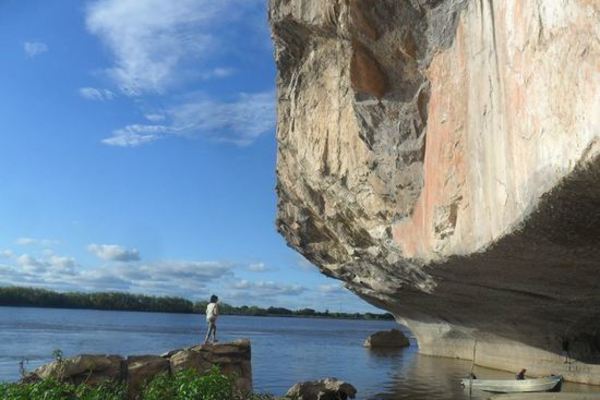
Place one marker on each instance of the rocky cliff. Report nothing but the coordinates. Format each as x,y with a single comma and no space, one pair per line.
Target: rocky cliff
442,157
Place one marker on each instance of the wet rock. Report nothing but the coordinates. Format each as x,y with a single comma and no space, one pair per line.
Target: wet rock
394,338
324,389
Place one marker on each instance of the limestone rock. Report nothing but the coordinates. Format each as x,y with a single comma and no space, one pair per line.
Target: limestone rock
232,358
189,359
168,354
141,370
324,389
89,368
443,159
394,338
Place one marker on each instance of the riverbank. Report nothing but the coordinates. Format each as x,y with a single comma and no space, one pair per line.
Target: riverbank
134,372
16,296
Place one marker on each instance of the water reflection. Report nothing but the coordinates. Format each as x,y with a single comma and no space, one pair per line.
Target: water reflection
419,377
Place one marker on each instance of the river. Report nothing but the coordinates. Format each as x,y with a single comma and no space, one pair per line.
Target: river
284,350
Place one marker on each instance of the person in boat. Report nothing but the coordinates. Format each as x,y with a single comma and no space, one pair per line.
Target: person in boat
521,375
212,313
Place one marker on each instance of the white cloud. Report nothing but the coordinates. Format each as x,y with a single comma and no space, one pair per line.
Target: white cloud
332,288
160,45
90,93
6,253
219,72
154,117
178,278
46,266
27,241
62,262
195,271
113,252
33,49
240,121
268,288
137,135
186,278
151,39
258,267
25,260
103,280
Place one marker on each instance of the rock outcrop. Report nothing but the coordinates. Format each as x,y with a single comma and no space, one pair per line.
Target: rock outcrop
394,338
233,359
141,370
323,389
88,368
442,157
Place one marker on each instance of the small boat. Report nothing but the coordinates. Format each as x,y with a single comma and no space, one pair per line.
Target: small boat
545,384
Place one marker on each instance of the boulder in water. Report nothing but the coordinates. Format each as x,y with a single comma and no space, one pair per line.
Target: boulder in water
323,389
394,338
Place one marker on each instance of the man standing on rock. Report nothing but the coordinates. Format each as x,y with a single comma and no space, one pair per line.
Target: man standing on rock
212,312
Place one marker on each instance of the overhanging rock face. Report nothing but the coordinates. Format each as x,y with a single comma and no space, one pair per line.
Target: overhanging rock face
442,157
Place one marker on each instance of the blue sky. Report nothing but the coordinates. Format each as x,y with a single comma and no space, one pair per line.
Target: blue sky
137,153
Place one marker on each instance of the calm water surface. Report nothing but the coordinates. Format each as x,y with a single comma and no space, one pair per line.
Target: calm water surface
284,350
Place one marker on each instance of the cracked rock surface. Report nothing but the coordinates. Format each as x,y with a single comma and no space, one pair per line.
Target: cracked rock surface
442,157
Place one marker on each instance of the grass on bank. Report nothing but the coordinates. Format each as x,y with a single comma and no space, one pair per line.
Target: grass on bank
184,385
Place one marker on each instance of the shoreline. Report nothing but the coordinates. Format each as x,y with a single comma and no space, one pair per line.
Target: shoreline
22,296
197,313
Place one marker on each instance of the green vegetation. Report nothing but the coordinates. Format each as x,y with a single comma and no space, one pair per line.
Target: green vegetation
52,389
119,301
30,297
189,385
185,385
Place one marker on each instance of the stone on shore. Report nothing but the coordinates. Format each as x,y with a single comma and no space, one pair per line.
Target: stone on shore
394,338
232,358
85,368
141,370
323,389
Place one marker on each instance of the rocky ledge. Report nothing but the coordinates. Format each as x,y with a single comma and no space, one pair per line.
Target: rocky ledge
233,359
442,157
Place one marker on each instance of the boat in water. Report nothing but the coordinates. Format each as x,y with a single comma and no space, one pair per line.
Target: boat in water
546,384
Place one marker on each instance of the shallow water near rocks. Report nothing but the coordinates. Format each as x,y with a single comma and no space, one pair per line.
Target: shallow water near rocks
284,350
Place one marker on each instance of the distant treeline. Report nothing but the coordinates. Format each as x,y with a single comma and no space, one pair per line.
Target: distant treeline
119,301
